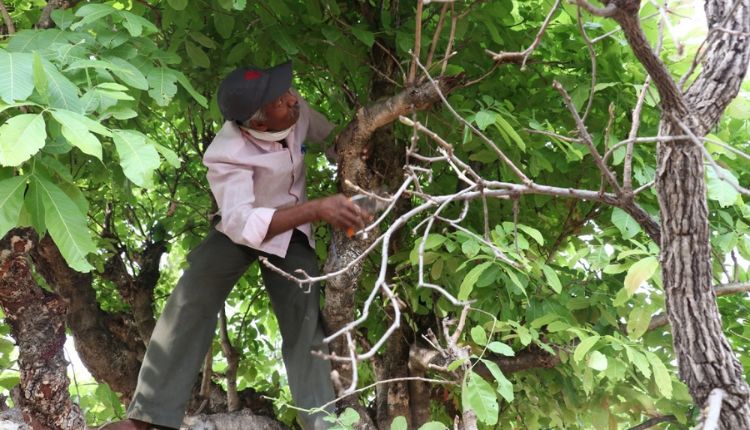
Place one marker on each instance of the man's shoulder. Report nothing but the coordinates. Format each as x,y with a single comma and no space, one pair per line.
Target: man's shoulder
226,143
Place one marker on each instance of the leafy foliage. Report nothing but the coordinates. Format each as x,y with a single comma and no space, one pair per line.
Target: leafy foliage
92,108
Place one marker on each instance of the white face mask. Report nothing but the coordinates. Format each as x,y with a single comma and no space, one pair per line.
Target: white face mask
270,136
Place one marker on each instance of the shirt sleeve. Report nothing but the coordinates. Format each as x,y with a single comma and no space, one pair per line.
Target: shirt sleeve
232,186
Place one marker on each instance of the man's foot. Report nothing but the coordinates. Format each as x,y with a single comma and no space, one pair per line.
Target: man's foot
130,424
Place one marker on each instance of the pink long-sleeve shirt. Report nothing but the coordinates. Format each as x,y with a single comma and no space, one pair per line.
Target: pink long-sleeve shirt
251,178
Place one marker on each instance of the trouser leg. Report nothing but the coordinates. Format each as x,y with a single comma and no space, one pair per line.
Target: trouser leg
298,314
185,330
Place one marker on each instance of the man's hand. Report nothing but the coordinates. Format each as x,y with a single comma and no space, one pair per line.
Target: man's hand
341,213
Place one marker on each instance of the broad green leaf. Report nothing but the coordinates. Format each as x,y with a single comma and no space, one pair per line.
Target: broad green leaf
455,364
470,248
87,122
552,280
399,423
534,233
196,54
506,127
364,36
638,322
40,78
504,386
585,346
433,425
625,223
204,40
478,335
11,202
639,360
183,80
471,278
661,374
163,85
135,24
63,93
67,226
21,137
721,190
137,158
433,241
477,395
34,206
597,361
640,272
77,133
501,348
178,4
484,119
16,77
169,155
92,13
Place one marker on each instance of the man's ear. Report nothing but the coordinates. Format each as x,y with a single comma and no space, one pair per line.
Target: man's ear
258,125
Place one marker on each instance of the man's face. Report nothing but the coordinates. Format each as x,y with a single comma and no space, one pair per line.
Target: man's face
282,113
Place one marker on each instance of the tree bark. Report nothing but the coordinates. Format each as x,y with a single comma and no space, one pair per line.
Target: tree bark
705,359
37,321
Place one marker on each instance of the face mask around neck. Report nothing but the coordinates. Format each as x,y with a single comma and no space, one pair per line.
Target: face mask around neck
270,136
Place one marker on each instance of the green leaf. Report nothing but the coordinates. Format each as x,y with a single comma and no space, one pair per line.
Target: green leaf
128,73
16,78
506,127
40,78
183,80
168,154
137,158
63,93
433,241
364,36
399,423
584,347
484,119
471,278
470,248
501,348
455,364
721,190
11,202
197,55
478,335
178,4
77,133
21,137
67,225
204,40
639,360
625,223
504,386
552,280
34,206
477,395
638,322
640,272
597,361
163,86
661,374
433,425
92,13
534,233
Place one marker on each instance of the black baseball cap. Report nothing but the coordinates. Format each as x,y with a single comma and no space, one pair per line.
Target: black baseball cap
247,89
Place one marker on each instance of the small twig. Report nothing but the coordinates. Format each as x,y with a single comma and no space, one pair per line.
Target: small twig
436,36
654,421
627,170
607,11
523,56
451,36
592,56
417,44
6,17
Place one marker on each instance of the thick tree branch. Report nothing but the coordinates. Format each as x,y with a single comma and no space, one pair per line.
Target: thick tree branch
7,19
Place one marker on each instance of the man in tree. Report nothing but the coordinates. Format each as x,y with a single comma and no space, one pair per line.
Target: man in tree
256,173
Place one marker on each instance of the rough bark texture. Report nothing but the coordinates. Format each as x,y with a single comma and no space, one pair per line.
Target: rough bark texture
37,321
704,356
108,344
233,421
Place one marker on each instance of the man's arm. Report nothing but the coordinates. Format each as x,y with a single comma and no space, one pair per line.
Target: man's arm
336,210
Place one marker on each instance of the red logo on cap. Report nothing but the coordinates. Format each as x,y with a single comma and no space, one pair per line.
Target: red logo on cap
252,75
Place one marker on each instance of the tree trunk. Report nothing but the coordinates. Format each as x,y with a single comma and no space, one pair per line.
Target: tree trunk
37,321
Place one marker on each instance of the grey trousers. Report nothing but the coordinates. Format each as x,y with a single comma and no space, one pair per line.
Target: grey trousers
186,329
